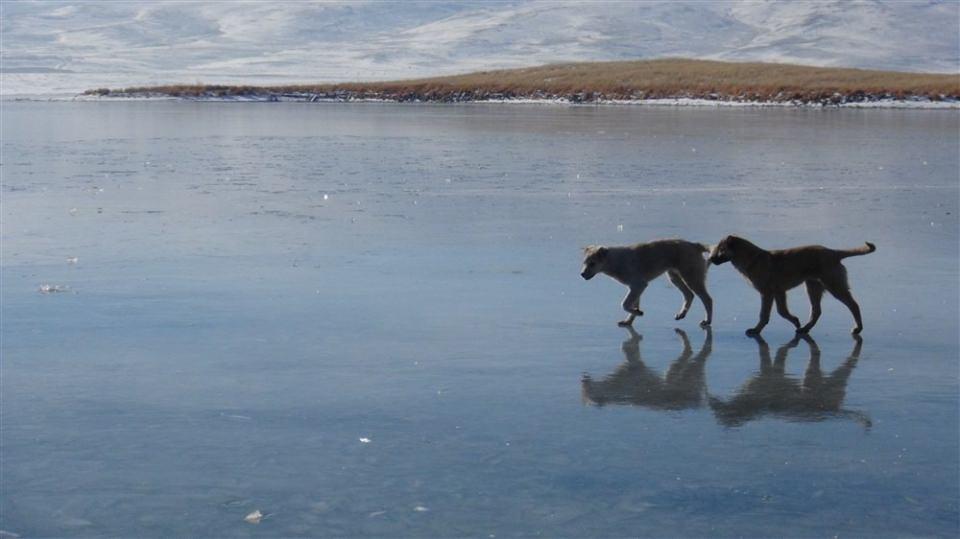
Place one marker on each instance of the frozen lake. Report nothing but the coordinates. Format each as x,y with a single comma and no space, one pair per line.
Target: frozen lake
369,320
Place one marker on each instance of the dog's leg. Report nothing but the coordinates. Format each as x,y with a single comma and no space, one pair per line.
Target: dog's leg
628,304
631,304
836,283
782,310
685,290
701,291
697,283
766,304
815,291
846,298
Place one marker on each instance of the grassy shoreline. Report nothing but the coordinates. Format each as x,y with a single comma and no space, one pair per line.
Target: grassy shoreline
594,82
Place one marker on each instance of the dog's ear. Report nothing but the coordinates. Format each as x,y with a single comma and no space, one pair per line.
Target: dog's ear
601,252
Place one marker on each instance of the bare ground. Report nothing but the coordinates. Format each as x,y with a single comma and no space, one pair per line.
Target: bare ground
602,81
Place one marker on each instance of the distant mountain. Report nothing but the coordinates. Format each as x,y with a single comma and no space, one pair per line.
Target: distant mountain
70,46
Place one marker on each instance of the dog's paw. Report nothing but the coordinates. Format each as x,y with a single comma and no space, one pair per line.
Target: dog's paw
803,330
638,312
704,323
625,323
856,331
680,316
752,332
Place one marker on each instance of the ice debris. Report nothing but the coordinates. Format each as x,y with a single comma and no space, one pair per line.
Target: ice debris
254,517
52,288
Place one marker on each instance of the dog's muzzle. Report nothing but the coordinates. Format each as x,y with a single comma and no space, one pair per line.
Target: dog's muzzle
716,260
586,276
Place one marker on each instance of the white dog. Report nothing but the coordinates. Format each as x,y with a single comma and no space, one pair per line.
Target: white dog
637,265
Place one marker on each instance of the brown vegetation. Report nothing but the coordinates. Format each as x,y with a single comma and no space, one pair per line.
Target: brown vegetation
595,81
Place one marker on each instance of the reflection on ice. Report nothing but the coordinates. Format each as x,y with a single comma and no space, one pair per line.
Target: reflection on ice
772,392
635,383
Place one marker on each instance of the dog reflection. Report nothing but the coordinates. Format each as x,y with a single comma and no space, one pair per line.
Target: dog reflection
771,392
634,383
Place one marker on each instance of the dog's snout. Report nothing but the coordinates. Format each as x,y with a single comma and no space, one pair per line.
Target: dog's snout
586,275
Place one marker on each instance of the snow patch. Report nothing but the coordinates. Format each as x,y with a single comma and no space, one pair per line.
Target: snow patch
69,47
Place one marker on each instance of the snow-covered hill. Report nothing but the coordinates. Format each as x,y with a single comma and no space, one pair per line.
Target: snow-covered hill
66,47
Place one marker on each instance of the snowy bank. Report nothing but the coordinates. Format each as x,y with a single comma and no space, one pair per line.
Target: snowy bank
880,102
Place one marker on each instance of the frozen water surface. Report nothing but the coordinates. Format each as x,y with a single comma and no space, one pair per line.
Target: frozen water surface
368,320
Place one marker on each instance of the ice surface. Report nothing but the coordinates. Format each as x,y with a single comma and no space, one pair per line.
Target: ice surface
235,334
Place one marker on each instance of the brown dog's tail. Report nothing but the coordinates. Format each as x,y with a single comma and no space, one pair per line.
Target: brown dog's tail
865,250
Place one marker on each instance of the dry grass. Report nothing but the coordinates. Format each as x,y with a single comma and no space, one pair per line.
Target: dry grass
623,80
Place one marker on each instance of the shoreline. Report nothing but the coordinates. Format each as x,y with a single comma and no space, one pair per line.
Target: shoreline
869,103
660,82
664,82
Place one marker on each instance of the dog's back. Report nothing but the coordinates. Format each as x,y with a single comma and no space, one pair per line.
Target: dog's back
798,264
823,255
673,252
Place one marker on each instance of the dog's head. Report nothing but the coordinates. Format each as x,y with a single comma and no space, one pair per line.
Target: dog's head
723,251
593,261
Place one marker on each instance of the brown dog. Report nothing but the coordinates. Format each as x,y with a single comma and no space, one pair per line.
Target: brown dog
772,273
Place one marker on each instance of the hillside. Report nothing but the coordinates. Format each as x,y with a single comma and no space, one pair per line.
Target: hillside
67,46
606,81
